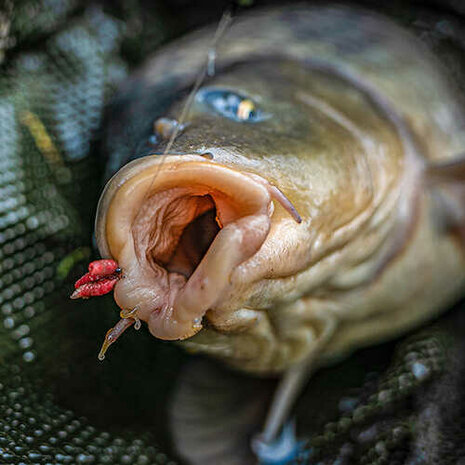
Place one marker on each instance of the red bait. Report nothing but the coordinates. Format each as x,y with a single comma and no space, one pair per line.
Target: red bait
100,280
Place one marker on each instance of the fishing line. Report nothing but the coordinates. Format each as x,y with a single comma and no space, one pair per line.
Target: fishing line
208,69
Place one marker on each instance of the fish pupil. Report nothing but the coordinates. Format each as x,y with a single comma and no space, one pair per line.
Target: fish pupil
230,105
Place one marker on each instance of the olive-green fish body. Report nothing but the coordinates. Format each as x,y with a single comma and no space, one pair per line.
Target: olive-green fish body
351,118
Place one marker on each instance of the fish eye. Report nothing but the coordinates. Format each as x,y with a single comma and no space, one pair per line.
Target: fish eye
231,105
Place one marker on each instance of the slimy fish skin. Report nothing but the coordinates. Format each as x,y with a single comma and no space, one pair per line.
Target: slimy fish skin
349,116
334,113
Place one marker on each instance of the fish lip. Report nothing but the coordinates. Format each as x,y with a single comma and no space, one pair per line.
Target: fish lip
131,169
182,319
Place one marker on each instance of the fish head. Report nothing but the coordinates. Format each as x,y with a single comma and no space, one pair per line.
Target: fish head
207,234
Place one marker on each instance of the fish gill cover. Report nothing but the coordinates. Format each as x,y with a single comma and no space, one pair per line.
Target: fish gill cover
401,402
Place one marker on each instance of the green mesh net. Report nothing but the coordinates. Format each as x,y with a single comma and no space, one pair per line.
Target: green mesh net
400,403
51,102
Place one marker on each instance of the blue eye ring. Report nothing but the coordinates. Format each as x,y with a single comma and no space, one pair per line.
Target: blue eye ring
231,105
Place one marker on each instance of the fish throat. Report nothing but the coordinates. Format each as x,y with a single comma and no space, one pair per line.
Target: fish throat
174,230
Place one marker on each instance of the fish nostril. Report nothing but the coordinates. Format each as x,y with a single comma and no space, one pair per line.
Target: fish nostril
207,155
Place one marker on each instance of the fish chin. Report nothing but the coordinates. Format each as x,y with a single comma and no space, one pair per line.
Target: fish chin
178,226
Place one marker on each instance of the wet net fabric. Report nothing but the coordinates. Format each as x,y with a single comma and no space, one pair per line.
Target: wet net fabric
400,403
60,64
406,411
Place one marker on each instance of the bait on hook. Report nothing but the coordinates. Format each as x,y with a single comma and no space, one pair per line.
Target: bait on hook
99,280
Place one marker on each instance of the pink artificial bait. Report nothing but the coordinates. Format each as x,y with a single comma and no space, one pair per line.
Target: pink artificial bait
100,280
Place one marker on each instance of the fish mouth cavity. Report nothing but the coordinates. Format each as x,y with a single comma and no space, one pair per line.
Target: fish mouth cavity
181,237
179,226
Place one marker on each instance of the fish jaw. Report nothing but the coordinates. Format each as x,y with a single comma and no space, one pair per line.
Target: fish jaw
157,216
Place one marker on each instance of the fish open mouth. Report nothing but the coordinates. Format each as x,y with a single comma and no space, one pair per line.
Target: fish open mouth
179,226
190,242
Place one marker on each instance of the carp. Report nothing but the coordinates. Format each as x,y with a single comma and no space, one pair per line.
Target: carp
310,203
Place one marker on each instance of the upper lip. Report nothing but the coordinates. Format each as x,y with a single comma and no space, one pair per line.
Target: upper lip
243,209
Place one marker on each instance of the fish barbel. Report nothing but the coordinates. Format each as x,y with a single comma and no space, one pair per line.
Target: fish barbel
334,113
